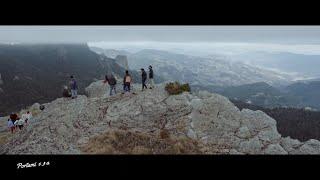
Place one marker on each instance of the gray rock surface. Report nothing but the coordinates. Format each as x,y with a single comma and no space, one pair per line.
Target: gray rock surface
209,118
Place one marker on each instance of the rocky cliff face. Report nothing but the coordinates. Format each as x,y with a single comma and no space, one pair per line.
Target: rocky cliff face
122,61
210,120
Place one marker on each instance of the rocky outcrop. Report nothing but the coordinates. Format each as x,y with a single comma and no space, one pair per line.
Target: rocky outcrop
212,120
122,61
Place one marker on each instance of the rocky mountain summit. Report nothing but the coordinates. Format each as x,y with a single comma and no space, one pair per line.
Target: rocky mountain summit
153,122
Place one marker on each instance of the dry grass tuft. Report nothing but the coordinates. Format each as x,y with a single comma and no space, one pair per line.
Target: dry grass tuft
128,142
4,137
164,134
176,88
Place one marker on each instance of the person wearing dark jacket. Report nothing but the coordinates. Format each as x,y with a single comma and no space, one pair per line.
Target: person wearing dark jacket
144,79
13,117
73,87
151,82
112,82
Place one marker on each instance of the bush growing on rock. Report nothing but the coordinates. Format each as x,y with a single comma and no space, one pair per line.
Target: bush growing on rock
132,142
176,88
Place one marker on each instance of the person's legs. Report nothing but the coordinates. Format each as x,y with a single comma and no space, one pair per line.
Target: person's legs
72,93
110,93
144,84
152,83
124,87
112,87
128,86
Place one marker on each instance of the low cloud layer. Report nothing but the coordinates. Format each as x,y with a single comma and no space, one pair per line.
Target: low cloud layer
244,34
207,48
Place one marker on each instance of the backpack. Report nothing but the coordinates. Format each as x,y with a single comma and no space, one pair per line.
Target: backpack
112,80
128,79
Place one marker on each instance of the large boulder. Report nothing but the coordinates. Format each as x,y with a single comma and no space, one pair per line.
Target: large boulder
65,125
96,89
122,61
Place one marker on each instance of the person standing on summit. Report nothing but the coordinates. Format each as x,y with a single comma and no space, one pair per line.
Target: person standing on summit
144,79
151,82
112,82
127,80
73,87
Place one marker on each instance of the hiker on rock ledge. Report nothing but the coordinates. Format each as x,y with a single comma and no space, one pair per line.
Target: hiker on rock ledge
144,79
11,125
66,92
127,82
151,82
73,87
112,82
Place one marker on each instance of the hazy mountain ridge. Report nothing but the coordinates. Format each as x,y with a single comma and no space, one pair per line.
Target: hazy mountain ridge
37,72
302,64
296,95
203,71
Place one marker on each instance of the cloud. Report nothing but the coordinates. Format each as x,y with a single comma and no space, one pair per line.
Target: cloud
225,48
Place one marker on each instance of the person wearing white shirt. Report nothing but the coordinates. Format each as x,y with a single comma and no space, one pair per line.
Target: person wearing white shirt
20,123
27,116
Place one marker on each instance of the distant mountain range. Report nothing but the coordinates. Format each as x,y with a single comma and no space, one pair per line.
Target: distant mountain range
200,70
297,95
284,61
37,72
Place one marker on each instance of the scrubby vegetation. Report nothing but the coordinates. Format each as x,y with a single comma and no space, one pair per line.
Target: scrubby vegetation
297,123
174,88
129,142
4,136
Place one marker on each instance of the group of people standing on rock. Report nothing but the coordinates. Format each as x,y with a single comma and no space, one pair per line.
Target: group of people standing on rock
15,122
127,81
112,81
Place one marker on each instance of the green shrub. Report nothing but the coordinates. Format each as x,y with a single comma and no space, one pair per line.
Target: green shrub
185,87
175,88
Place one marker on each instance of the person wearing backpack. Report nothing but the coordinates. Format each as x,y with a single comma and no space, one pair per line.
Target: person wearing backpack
73,87
13,117
144,79
151,82
127,82
112,82
20,123
65,92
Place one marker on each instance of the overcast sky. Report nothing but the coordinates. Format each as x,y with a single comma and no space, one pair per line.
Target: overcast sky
201,40
244,34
